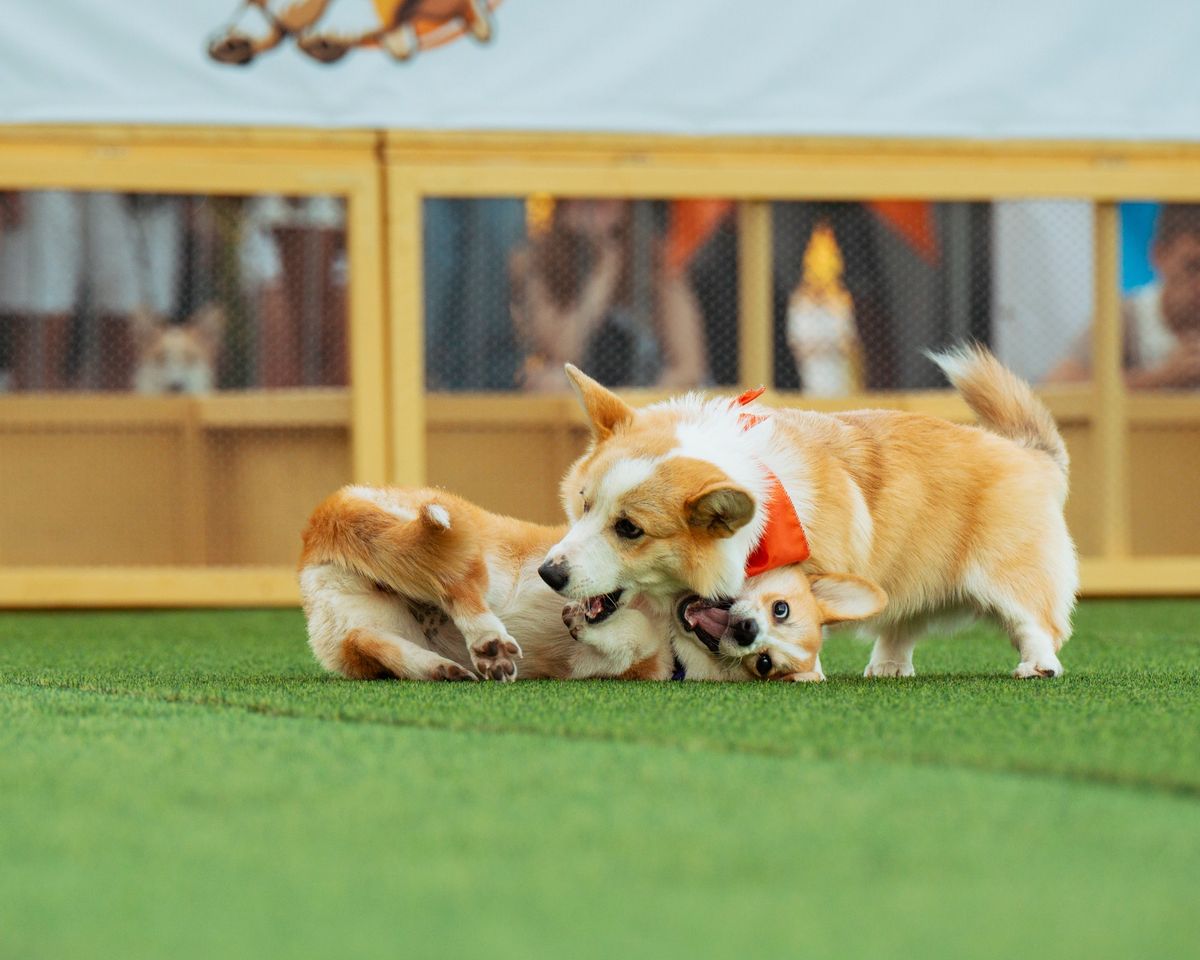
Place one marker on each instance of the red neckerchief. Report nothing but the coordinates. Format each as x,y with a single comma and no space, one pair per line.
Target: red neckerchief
783,541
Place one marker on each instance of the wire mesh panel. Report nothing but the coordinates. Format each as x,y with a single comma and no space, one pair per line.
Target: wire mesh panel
638,293
158,293
159,358
861,288
1160,325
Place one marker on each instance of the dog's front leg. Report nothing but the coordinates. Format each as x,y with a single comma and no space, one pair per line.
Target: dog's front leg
493,650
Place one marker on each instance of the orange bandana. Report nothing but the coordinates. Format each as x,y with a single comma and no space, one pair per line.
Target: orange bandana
783,541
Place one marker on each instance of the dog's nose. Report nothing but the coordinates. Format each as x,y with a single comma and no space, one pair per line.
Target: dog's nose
744,632
555,573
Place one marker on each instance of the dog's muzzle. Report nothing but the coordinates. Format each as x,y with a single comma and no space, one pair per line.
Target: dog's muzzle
556,574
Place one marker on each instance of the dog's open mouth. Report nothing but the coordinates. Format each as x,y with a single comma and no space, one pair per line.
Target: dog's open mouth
600,608
707,619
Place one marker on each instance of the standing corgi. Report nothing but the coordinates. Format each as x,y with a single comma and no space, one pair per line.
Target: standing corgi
943,517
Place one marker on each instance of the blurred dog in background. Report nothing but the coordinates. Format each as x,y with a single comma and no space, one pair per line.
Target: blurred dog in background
180,357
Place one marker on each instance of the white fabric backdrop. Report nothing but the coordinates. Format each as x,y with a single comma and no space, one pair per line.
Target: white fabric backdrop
972,68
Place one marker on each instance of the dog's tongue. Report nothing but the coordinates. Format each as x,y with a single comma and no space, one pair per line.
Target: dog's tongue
713,620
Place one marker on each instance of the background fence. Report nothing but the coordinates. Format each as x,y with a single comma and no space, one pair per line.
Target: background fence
396,308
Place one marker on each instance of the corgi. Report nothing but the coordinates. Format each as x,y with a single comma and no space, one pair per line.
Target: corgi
945,518
177,358
773,628
421,584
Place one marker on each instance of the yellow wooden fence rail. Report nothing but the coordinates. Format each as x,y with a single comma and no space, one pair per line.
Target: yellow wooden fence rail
385,178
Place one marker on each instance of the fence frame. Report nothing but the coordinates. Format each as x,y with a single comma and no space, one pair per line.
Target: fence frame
386,176
219,162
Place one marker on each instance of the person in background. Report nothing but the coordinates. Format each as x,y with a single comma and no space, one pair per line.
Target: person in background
40,263
1161,321
470,343
592,290
132,260
293,261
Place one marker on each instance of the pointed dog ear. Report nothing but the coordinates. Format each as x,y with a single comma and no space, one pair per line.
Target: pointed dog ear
721,508
841,597
209,323
145,324
605,409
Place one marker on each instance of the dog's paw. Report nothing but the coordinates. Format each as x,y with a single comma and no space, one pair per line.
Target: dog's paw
324,48
494,656
401,43
233,48
449,670
574,618
1043,666
889,668
803,676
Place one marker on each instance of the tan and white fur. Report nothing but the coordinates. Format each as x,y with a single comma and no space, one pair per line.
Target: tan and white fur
774,628
421,584
177,358
945,518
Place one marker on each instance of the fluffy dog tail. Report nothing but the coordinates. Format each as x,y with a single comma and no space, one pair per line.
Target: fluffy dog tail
405,542
1003,401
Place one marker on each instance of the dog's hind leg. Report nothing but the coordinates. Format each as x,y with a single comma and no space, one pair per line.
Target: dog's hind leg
373,655
1038,624
893,651
359,630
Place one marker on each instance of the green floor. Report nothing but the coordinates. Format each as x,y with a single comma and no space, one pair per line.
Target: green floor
190,785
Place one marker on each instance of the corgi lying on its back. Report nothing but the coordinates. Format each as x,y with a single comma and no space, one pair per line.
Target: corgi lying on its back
424,585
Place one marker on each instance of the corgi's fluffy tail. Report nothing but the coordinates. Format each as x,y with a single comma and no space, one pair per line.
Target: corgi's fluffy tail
385,538
1004,402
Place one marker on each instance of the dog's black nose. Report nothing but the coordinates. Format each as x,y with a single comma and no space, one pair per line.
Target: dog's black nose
744,632
555,573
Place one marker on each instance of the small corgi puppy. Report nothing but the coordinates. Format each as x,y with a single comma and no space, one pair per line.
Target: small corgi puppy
773,629
177,358
682,497
424,585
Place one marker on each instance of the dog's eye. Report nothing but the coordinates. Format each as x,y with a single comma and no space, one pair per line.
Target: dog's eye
627,529
763,664
781,610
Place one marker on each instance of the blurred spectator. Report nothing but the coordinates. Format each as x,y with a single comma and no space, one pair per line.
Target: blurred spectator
120,252
10,219
1161,321
40,263
293,254
469,338
595,289
132,258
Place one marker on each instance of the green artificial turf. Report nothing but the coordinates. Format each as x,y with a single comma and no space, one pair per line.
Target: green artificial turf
191,785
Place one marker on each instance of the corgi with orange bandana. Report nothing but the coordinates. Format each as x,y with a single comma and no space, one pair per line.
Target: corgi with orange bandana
674,499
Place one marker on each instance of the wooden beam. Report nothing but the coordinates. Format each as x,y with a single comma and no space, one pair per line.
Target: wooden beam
33,587
1111,424
756,313
406,329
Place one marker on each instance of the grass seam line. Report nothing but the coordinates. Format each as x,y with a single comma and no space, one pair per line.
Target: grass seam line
1148,785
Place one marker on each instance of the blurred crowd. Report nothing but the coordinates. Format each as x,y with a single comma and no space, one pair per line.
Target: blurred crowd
166,293
160,293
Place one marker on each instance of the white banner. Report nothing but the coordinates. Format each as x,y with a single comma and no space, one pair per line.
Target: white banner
973,68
